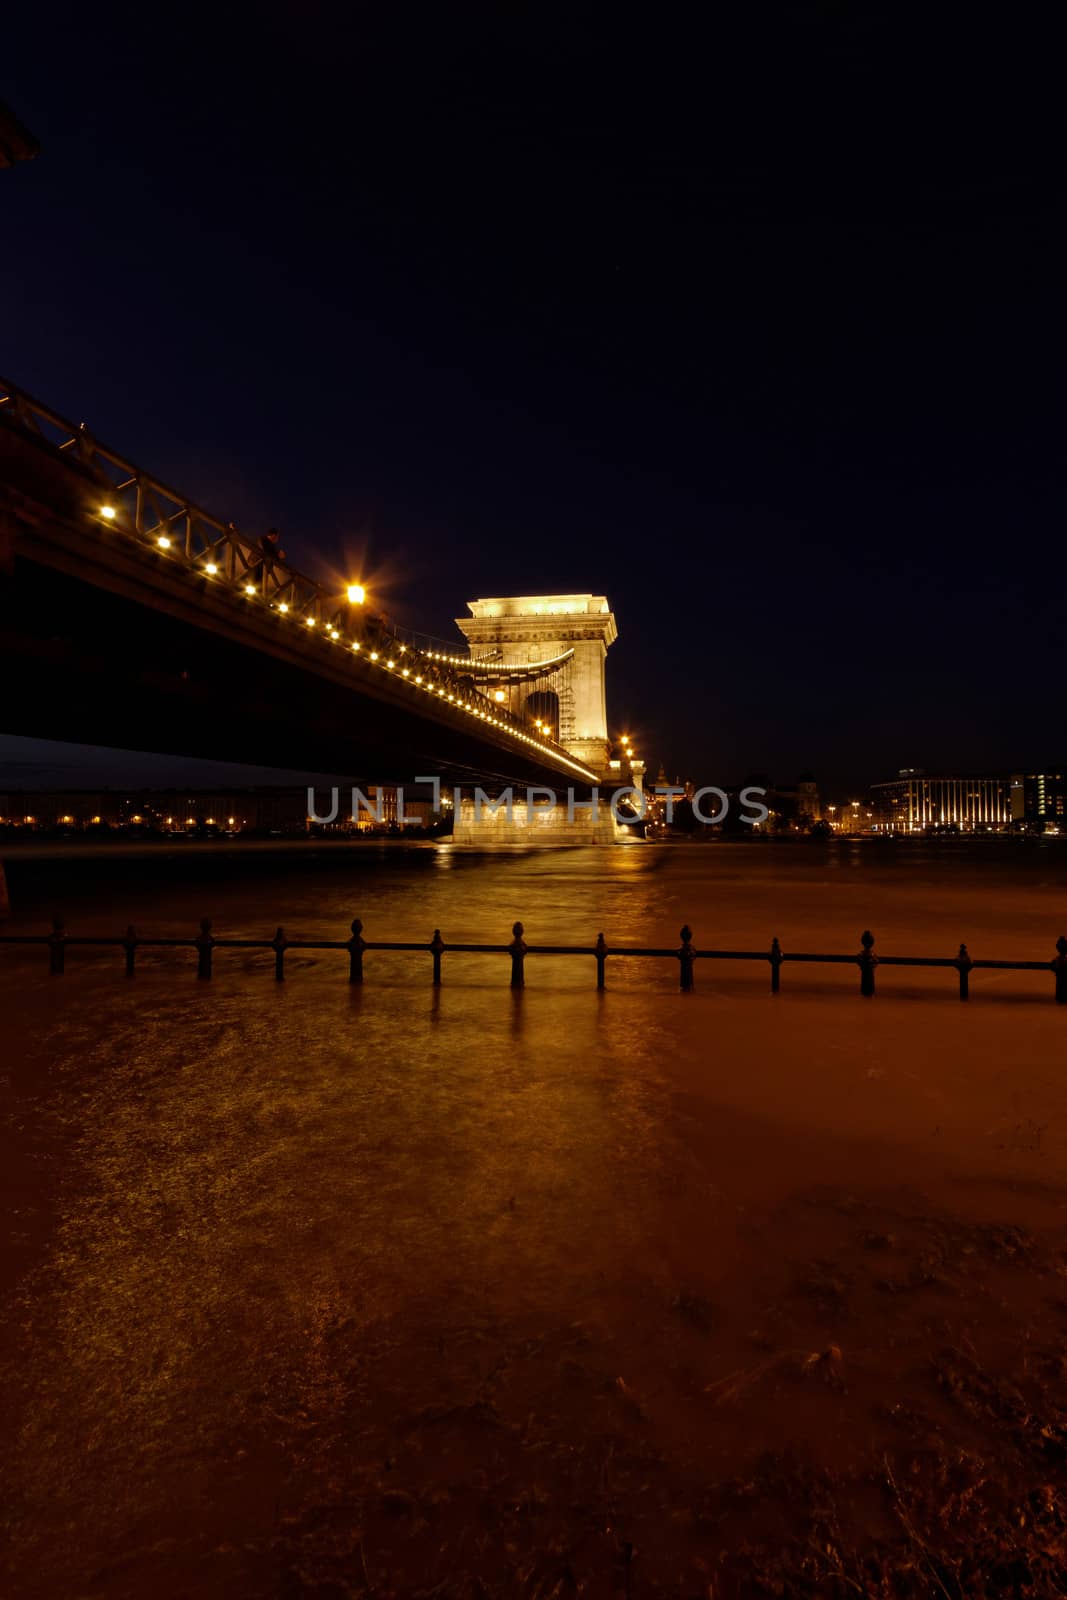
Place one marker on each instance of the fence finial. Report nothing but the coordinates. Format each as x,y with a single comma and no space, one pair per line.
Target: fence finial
204,945
867,962
685,959
517,951
963,967
356,946
1059,967
279,944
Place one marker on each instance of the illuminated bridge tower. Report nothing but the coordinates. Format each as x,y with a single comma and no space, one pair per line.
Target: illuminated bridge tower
551,649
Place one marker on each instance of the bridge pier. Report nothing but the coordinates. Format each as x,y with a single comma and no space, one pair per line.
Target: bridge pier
497,826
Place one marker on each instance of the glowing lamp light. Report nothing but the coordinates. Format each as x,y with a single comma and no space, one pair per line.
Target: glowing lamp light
355,644
163,542
210,821
108,512
309,622
231,821
96,819
498,696
356,594
211,569
283,607
418,677
390,663
374,655
250,588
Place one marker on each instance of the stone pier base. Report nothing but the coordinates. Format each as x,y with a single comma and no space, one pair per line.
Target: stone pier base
537,825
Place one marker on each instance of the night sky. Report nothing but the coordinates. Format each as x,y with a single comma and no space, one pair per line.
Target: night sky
757,329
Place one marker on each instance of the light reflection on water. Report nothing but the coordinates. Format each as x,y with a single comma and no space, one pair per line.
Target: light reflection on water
256,1185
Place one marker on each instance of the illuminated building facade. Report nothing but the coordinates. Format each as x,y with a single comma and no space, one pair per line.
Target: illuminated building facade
919,802
1039,798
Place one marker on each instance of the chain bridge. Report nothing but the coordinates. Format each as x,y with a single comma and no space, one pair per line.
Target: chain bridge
130,616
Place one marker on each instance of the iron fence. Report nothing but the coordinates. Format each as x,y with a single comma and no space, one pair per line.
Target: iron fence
204,943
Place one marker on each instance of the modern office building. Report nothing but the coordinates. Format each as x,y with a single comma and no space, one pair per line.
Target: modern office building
1039,799
919,802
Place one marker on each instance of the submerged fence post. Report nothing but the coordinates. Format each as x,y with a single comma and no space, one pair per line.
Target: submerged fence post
437,944
204,946
600,950
775,959
867,961
279,944
517,951
129,944
356,946
685,959
1059,967
57,948
963,966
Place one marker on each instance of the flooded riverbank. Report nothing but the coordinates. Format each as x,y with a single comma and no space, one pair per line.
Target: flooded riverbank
317,1290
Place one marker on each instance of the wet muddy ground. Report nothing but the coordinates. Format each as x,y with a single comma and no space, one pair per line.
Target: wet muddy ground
326,1292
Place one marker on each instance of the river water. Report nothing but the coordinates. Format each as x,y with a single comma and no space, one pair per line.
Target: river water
329,1290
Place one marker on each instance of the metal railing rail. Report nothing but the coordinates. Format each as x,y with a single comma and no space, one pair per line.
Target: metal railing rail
143,510
205,944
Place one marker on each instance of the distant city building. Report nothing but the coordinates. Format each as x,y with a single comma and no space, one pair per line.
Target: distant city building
267,812
918,802
383,807
796,806
808,797
1038,799
174,811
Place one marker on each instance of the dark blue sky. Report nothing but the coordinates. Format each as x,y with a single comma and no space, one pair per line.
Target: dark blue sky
758,329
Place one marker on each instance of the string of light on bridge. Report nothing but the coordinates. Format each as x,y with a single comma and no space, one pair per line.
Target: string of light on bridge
418,682
171,508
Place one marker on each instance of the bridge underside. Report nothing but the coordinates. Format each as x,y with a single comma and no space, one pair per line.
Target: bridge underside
106,671
101,644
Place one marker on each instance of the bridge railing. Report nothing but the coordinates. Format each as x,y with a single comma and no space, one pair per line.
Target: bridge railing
139,507
205,943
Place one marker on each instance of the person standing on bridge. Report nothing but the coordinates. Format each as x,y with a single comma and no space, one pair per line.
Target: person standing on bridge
269,545
267,553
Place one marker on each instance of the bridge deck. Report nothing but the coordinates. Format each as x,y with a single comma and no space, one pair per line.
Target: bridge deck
135,618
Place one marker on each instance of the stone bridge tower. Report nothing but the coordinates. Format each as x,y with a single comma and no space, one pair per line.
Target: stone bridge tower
528,629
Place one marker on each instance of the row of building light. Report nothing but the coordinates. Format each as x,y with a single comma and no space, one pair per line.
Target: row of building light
67,820
356,595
